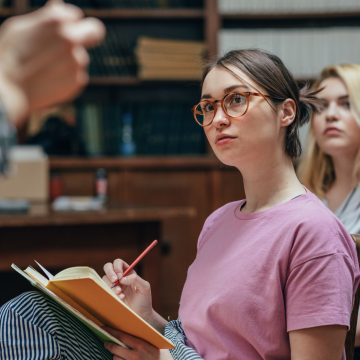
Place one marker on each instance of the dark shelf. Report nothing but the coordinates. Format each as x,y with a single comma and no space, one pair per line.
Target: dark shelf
289,16
134,81
146,13
137,162
114,80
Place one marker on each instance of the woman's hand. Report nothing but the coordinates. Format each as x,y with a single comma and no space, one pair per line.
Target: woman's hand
133,290
139,349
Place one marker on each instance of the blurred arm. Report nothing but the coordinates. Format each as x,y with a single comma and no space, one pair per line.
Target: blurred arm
43,60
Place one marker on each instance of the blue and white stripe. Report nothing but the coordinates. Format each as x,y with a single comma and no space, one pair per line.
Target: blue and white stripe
175,333
35,327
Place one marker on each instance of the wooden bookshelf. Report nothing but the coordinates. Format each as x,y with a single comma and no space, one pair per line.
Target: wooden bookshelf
114,80
137,162
109,215
289,16
146,13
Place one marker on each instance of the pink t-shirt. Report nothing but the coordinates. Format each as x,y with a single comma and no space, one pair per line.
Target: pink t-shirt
258,276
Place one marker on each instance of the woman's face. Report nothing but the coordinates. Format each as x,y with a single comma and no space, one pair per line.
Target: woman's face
255,135
336,131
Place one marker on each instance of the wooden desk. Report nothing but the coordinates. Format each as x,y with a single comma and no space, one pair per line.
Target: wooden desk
93,238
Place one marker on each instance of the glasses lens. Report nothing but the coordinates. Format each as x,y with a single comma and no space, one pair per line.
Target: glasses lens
236,104
204,113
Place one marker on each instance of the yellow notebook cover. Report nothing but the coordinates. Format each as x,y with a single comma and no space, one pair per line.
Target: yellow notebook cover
84,290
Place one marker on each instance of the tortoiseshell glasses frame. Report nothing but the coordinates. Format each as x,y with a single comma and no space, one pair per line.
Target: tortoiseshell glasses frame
222,102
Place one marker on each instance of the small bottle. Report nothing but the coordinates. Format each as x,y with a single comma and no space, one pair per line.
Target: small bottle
128,146
101,185
55,187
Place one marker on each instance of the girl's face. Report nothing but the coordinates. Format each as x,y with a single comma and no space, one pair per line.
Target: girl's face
244,140
336,131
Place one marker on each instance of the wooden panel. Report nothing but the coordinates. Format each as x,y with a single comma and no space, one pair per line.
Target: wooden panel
212,26
203,188
79,183
90,245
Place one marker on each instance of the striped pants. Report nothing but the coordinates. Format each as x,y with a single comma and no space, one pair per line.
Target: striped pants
35,327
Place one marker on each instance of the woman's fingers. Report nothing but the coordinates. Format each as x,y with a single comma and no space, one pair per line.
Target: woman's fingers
132,342
119,267
87,32
136,281
115,270
110,273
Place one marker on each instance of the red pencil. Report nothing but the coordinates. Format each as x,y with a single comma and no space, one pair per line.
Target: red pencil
136,261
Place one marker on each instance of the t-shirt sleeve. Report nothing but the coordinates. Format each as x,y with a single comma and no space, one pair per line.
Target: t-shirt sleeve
319,292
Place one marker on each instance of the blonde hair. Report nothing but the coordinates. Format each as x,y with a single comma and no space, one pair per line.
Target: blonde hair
316,169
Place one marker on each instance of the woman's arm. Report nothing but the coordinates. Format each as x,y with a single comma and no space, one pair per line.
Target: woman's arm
318,343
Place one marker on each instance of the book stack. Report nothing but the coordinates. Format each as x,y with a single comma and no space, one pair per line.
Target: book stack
304,51
287,6
158,129
160,59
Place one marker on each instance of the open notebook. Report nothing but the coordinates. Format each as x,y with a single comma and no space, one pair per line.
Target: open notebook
81,291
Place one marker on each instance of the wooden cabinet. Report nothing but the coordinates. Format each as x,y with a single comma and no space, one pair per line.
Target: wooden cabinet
199,182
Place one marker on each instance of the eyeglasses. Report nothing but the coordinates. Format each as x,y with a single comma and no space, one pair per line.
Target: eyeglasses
234,105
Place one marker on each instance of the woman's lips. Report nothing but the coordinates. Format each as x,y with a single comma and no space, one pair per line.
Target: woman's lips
224,141
332,131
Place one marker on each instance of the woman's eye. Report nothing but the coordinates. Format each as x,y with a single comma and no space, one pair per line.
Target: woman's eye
207,107
324,107
238,100
346,104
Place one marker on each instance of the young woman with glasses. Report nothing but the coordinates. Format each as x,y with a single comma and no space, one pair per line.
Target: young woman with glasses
275,274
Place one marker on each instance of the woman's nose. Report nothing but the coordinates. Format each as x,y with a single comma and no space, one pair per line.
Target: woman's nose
332,112
221,118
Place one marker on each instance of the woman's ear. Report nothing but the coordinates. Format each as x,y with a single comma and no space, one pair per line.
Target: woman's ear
288,112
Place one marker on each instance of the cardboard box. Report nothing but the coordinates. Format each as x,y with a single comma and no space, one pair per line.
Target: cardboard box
28,177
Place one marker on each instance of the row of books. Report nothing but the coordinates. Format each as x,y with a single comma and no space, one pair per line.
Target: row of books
304,51
160,59
114,56
286,6
157,129
129,4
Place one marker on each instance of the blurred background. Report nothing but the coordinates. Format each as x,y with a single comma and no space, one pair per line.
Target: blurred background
126,157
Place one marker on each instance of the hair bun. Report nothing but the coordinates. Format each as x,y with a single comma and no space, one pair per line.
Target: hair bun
309,103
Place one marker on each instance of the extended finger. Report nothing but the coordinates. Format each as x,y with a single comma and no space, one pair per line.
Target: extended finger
118,350
110,273
119,267
59,11
129,340
88,32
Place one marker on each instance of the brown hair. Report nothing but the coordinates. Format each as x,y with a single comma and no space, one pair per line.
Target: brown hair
269,72
316,169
